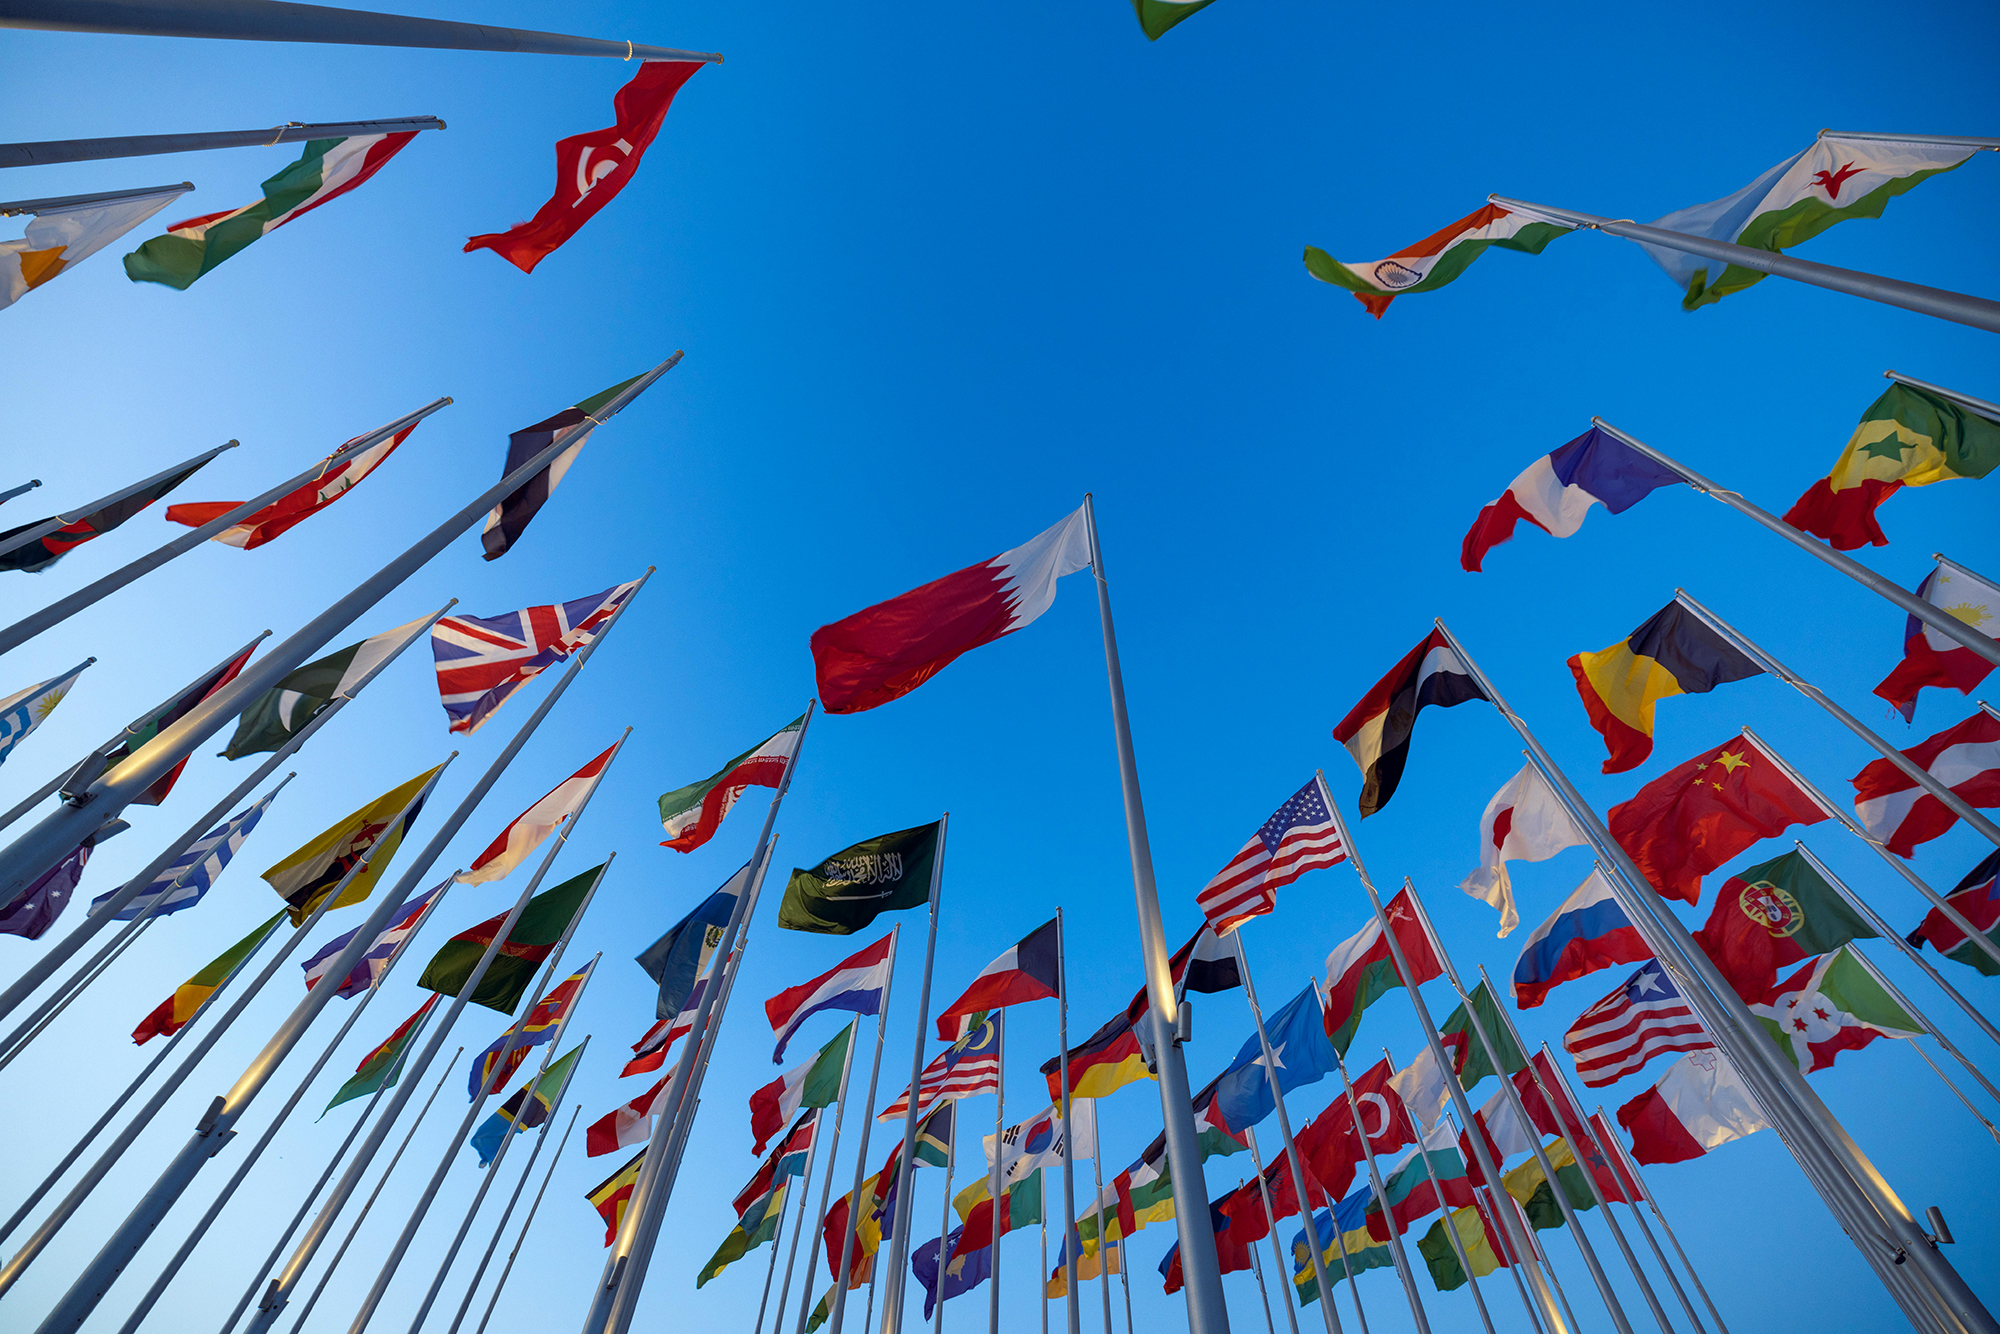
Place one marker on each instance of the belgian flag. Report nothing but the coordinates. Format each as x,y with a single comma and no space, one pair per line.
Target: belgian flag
1674,653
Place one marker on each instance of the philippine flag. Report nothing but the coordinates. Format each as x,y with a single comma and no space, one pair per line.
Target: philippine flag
1590,931
1557,491
856,984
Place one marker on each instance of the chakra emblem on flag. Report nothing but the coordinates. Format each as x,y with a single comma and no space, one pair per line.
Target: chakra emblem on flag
1774,908
1395,276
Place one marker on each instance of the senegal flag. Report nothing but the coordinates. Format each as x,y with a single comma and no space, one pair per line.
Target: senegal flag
1906,438
370,835
277,715
379,1068
850,889
540,925
177,1009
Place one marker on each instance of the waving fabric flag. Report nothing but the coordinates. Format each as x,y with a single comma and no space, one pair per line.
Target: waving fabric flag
855,984
25,710
529,1107
677,958
1699,1103
692,814
650,1051
483,660
1645,1017
1300,1053
970,1066
1408,1189
1906,438
885,651
1031,971
371,835
610,1196
812,1085
1832,1006
1377,731
372,964
1343,1230
1977,899
533,826
1772,915
757,1225
381,1067
788,1159
1588,932
1435,260
281,712
166,716
1526,822
46,550
193,873
510,518
167,1017
1362,967
1332,1145
1299,837
59,239
1933,659
540,925
1965,758
289,511
1155,17
964,1271
1673,653
540,1025
1556,492
849,890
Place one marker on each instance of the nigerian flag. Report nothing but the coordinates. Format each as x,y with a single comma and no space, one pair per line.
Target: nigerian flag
277,715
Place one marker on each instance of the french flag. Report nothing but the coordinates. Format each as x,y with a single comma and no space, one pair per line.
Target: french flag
1557,491
855,984
1590,931
1032,970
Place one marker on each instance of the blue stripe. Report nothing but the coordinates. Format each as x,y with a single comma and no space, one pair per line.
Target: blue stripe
1537,962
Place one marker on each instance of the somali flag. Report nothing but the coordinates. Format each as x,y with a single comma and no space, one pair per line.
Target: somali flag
1301,1050
964,1273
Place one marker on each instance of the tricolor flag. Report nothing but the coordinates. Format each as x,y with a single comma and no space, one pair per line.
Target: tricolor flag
541,1024
277,715
757,1225
166,716
970,1066
1362,968
375,962
1906,438
1977,899
1435,260
610,1196
1526,822
529,1107
1031,971
540,925
1673,653
289,511
1408,1189
885,651
814,1084
1341,1231
1934,659
1556,492
482,660
692,814
1104,1062
650,1051
46,550
381,1066
1300,836
856,983
326,170
1588,932
788,1159
25,710
369,836
193,873
532,826
1965,758
167,1017
59,239
1377,731
510,518
1699,1103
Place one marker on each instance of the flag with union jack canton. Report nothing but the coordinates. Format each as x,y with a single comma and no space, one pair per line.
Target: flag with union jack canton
482,660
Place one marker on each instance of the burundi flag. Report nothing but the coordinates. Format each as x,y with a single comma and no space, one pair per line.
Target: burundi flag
380,1067
80,527
692,814
1435,260
295,507
25,710
850,889
1838,1004
193,873
370,836
167,1018
1772,915
528,1108
540,925
510,518
326,170
1673,653
277,715
1906,438
61,238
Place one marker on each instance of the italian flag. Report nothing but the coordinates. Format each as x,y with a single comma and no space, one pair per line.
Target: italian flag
1435,260
328,169
167,1017
1836,1005
814,1084
1906,438
692,814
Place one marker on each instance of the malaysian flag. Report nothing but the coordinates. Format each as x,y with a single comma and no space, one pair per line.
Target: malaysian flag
969,1066
193,874
1299,837
1628,1028
483,660
376,961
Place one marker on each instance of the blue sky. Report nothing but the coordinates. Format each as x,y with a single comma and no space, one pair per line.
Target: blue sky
938,272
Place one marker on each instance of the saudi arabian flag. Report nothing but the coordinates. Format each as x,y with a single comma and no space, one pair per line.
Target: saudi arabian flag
279,713
847,891
1839,1004
327,169
758,1225
1462,1040
1156,16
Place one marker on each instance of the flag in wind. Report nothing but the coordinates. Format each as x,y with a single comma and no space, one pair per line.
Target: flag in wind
1556,492
970,1066
1772,915
295,507
692,814
610,1196
1965,758
60,238
375,961
540,1025
1435,260
529,1107
1526,822
849,890
1699,1103
1975,898
650,1051
510,518
1906,438
1300,1053
540,925
166,716
380,1068
814,1084
370,835
1300,836
46,550
193,873
625,1126
533,826
1934,659
1673,653
1155,17
167,1018
277,715
680,956
1377,731
1833,1005
1032,970
1588,932
1645,1017
35,909
855,984
482,660
25,710
1362,967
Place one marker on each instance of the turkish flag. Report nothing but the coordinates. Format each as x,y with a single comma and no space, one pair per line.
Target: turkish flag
591,168
1330,1143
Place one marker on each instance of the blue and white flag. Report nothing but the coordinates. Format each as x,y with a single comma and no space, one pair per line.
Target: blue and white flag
1299,1049
23,711
183,884
372,964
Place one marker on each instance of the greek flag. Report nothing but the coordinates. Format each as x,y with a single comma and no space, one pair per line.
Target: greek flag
23,712
182,884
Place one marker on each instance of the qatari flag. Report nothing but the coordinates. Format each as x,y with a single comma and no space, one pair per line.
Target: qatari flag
885,651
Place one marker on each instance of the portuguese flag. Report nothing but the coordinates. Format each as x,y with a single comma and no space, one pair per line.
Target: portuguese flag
1771,915
167,1018
378,1068
692,814
540,925
1906,438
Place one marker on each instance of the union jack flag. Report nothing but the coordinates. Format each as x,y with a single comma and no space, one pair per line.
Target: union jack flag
1300,836
969,1066
1640,1020
482,660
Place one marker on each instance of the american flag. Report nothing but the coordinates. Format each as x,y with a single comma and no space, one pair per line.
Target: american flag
372,964
1299,837
969,1066
1640,1020
483,660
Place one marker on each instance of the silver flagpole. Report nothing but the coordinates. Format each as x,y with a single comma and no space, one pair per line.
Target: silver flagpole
1951,1049
995,1191
24,488
861,1150
1346,1265
21,631
1200,1269
1933,301
258,21
825,1188
1978,405
1484,1197
1103,1242
1632,1169
944,1226
1257,1266
1043,1304
500,1284
1271,1217
144,145
51,840
798,1226
73,986
1072,1305
55,203
1445,1209
1125,1285
1603,1134
777,1240
16,541
899,1245
1417,1313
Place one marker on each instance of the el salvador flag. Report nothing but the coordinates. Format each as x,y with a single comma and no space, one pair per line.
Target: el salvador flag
1590,931
1303,1054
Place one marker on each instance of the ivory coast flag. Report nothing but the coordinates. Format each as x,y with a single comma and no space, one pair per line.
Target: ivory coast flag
167,1017
1156,16
1435,260
1906,438
61,238
372,833
326,170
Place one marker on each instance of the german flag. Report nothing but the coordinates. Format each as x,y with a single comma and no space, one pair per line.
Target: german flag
611,1196
1110,1058
1674,653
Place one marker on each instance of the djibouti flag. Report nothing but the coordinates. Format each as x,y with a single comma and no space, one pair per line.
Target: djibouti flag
277,715
1156,16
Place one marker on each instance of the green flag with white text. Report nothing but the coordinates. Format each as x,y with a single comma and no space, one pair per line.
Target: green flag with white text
849,890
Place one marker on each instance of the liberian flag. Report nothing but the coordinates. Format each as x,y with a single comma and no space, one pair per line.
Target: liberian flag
1377,731
1933,659
376,961
1699,1103
535,824
885,651
1435,260
1524,822
481,660
629,1125
1893,809
1557,490
856,983
692,814
59,239
326,170
1590,931
1032,970
289,511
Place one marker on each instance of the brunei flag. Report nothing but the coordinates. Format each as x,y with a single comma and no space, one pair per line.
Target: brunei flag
277,715
1674,653
536,931
370,836
177,1009
610,1196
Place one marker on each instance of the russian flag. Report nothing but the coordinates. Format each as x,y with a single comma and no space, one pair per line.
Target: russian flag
1557,491
1590,931
855,984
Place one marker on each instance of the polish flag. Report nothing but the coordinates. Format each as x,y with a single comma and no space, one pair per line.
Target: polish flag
533,825
1032,970
1524,822
855,984
629,1125
1699,1103
1895,810
885,651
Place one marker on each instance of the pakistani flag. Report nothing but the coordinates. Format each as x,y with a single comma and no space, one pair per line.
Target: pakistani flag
758,1225
277,715
327,169
847,891
1838,1004
25,710
1156,16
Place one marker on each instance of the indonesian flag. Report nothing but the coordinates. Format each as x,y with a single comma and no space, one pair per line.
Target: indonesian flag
1032,970
289,511
1934,659
59,239
629,1125
535,824
1699,1103
1893,809
885,651
1524,822
1435,260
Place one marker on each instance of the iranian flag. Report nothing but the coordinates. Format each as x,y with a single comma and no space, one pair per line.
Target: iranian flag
1361,969
289,511
692,814
326,170
1837,1004
1435,260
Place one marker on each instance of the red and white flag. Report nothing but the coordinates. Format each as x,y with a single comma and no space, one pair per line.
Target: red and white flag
1031,971
885,651
534,825
289,511
1645,1017
1931,658
629,1125
1895,810
970,1066
1300,836
1524,822
1699,1103
649,1053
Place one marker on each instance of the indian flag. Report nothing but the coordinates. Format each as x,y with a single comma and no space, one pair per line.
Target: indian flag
1435,260
61,238
328,169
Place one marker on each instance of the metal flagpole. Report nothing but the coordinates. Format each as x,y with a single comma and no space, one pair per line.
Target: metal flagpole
500,1284
1263,1293
145,145
874,1274
1043,1304
994,1190
1602,1133
1200,1269
52,839
21,631
840,1281
899,1245
27,486
1417,1312
72,987
825,1185
1346,1265
258,21
1924,1021
1632,1170
1125,1285
1072,1303
1539,1261
1444,1208
49,525
1103,1241
1484,1197
1270,1217
777,1240
944,1228
798,1226
1933,301
57,203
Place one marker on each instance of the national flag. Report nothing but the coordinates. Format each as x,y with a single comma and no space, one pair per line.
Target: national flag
192,874
1020,1205
1530,1185
846,892
327,169
164,717
510,518
652,1048
1300,1051
1698,815
964,1271
1833,1005
483,660
1031,971
44,551
628,1125
1332,1144
1239,1223
1408,1192
167,1017
61,237
1092,1261
1645,1017
683,953
381,1067
369,836
277,715
295,507
1300,836
592,167
1505,1132
967,1068
1613,1165
1030,1145
540,925
871,1223
540,1025
1106,1061
813,1084
1204,965
692,814
1699,1103
1931,658
1484,1242
856,984
1556,1114
1284,1194
1435,260
529,1107
1557,490
1977,899
25,710
1831,181
1772,915
1588,932
30,913
934,1136
1906,438
1361,969
788,1159
375,960
1673,653
1458,1036
531,827
885,651
1423,1087
1155,17
1377,731
1525,821
1965,758
758,1224
610,1196
1341,1230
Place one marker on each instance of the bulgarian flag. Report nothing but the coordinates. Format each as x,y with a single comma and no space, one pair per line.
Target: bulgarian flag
289,511
1435,260
692,814
167,1018
327,169
1906,438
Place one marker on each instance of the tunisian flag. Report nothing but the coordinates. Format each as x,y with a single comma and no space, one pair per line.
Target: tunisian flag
591,168
885,651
